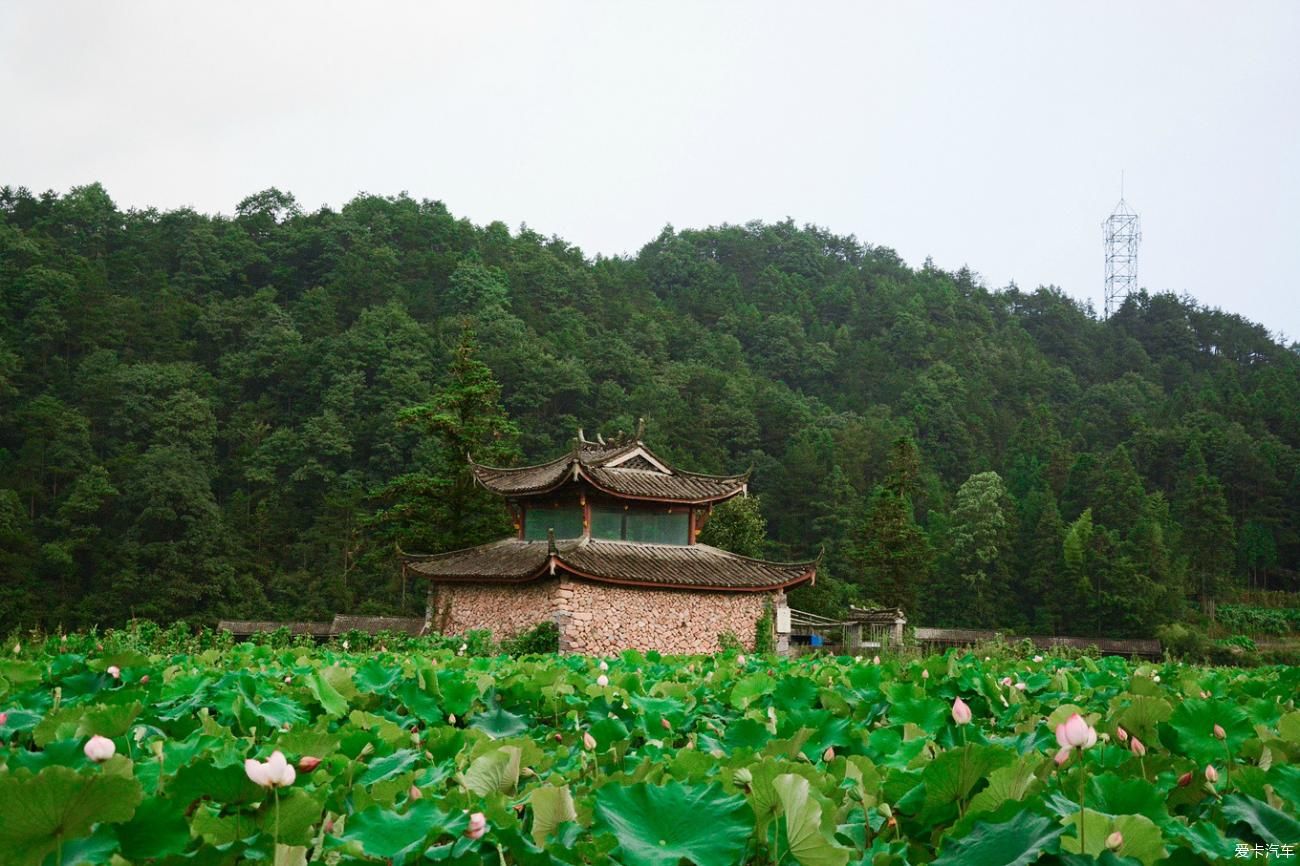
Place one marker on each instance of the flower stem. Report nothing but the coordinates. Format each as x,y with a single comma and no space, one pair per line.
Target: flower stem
1083,781
276,793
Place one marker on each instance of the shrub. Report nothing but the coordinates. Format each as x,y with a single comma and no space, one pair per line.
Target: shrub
541,638
1182,642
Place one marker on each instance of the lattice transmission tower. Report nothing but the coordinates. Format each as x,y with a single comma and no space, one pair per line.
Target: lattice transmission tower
1122,232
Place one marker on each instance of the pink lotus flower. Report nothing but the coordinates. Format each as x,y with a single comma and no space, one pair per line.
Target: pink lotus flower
288,680
100,749
115,672
1020,687
829,754
1006,682
1075,733
274,772
1135,746
1115,840
604,666
307,763
1121,734
740,660
960,712
477,826
414,793
1211,774
925,674
588,741
4,718
1219,732
875,660
602,681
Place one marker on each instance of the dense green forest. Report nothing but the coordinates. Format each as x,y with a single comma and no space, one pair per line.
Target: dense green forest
209,415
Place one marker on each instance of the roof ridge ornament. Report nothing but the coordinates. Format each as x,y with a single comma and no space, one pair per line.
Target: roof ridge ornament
640,429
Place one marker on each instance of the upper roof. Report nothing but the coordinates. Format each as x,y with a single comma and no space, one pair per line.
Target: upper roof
695,566
625,469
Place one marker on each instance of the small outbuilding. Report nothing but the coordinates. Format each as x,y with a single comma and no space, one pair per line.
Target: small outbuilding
605,546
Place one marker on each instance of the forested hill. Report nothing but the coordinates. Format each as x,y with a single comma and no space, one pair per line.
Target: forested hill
202,415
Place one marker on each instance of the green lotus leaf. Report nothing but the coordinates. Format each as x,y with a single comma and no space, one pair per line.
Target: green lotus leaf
494,773
499,722
157,829
1017,842
329,698
662,825
384,833
59,802
552,807
387,767
376,678
802,824
1190,730
1271,825
1142,838
108,721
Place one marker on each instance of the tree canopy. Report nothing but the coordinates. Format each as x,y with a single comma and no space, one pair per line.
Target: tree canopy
241,415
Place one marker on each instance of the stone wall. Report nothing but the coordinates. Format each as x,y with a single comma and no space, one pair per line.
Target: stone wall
600,619
503,609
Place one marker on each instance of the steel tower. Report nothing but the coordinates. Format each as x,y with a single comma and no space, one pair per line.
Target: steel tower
1122,232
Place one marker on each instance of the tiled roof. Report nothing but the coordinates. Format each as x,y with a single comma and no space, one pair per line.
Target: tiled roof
695,566
592,462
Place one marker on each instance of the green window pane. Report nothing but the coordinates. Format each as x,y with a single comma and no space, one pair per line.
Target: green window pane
607,522
658,527
567,523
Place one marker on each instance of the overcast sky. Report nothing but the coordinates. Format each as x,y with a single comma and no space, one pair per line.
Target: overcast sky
986,134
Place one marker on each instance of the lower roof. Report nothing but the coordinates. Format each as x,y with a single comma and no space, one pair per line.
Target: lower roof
694,566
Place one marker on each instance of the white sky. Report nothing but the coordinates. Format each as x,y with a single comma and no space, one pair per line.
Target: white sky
987,134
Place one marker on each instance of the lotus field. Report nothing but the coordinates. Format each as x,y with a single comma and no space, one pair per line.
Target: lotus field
317,755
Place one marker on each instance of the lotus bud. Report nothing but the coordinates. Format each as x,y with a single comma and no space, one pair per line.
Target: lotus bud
144,680
1020,687
288,680
665,724
328,826
1076,733
1038,660
1136,747
1121,734
1219,732
1115,840
114,671
414,793
1006,682
961,712
588,741
1156,678
307,763
1205,696
4,718
875,660
345,646
1185,779
100,749
829,754
925,674
18,648
1211,774
477,826
740,660
602,681
559,738
603,665
451,718
988,658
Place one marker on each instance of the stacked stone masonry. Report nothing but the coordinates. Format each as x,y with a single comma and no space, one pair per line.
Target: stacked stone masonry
598,618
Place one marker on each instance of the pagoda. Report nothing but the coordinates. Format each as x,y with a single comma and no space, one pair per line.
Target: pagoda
605,546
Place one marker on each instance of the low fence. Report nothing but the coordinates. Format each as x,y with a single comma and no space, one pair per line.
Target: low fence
325,630
938,639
